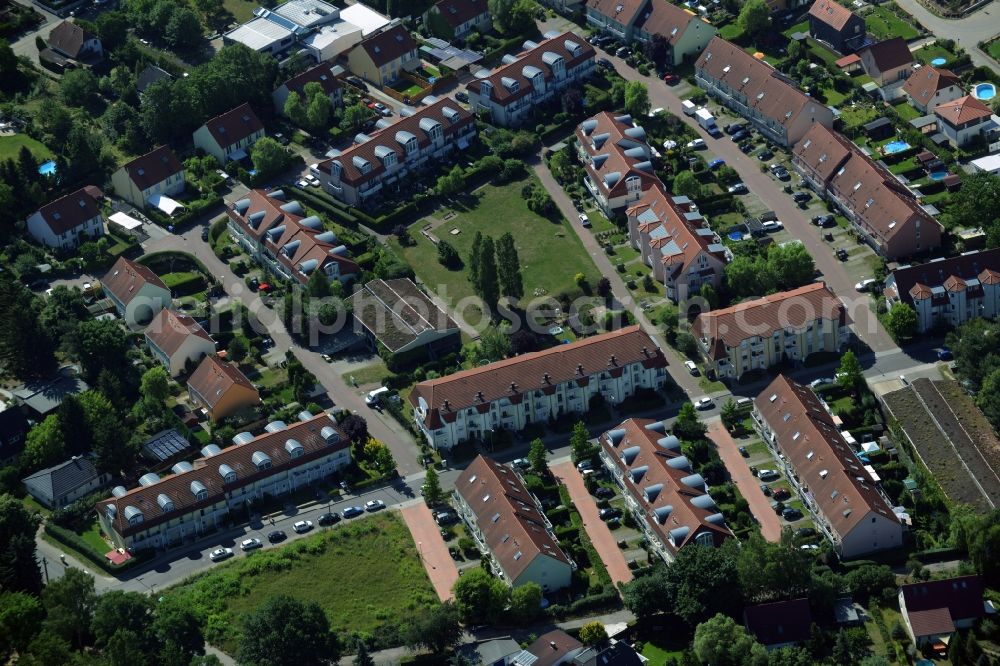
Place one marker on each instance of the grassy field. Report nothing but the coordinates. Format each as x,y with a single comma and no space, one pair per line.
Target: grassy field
550,252
11,145
365,575
883,24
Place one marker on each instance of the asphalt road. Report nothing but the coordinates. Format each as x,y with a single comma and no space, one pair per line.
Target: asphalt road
979,26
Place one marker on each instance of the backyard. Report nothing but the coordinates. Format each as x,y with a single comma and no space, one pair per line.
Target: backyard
550,253
884,24
11,145
336,569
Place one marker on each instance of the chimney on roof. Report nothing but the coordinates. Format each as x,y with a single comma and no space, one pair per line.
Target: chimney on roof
613,361
645,351
545,379
446,405
552,644
513,387
479,397
579,368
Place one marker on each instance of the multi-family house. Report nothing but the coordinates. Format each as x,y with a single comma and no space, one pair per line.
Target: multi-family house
285,241
220,486
889,63
948,292
542,70
67,222
401,318
508,525
845,501
617,161
177,340
136,291
758,334
321,74
965,120
63,484
457,18
883,212
382,57
677,243
220,388
75,42
229,137
421,140
537,387
756,91
151,179
934,610
685,32
836,25
669,501
617,17
929,86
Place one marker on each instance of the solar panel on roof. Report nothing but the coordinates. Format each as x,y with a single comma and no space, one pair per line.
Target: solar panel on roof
165,445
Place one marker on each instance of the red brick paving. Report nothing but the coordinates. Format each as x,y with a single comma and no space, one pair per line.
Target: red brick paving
604,541
437,561
739,471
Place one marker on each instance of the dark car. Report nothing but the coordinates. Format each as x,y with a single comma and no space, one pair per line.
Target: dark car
739,136
276,536
733,128
671,79
805,532
746,148
842,254
765,155
352,511
204,234
782,494
801,197
462,97
744,452
328,519
766,489
603,492
791,514
357,83
944,354
782,174
610,513
605,63
825,221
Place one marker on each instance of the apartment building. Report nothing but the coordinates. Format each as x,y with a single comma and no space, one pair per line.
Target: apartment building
286,242
929,87
617,161
685,32
965,120
947,292
150,180
537,387
421,139
67,222
322,74
509,525
669,501
384,56
137,292
880,208
229,137
541,71
676,242
177,340
221,487
782,327
846,503
753,89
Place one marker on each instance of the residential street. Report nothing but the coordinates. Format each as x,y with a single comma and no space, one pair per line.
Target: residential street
981,25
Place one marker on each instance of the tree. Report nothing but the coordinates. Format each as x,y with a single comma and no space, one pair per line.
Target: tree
433,495
850,375
475,256
686,184
114,450
754,18
526,603
269,157
791,265
593,633
285,631
901,321
512,16
26,349
977,204
494,344
509,267
353,116
703,582
356,428
603,287
720,641
656,51
637,98
18,568
103,346
770,571
45,446
479,597
318,285
117,610
319,111
537,456
155,384
178,629
78,87
295,109
579,442
687,426
729,413
571,102
451,183
748,276
649,595
870,581
238,349
362,656
183,30
447,256
489,285
436,628
20,615
69,605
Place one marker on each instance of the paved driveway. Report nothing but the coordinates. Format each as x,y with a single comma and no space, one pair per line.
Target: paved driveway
739,472
434,554
604,541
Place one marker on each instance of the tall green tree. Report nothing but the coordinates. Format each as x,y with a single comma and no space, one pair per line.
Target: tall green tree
178,629
686,184
451,183
977,204
579,442
433,495
525,603
489,285
103,346
754,18
117,610
850,374
771,571
509,267
475,260
687,425
494,344
637,98
791,265
901,321
362,657
25,347
19,570
155,384
114,450
269,157
537,456
295,109
284,631
593,633
318,110
45,446
722,642
69,606
479,597
20,616
436,628
318,285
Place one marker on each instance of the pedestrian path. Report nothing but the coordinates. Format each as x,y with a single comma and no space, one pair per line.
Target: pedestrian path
431,548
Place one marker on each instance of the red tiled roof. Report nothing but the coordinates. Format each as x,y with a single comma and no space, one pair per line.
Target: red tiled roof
831,13
824,462
126,278
962,110
69,38
926,81
889,54
564,46
608,139
457,12
961,598
932,622
321,74
234,125
214,377
538,370
70,211
388,45
552,647
847,60
620,11
660,479
667,20
153,167
779,622
169,329
511,523
178,487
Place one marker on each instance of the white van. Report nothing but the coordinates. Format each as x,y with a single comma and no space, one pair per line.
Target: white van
314,169
689,107
375,396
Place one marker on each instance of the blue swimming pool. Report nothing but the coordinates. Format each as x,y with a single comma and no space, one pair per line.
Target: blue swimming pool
938,62
937,175
47,168
895,147
735,235
984,91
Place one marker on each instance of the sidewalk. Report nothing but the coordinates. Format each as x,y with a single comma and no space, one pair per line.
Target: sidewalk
760,505
604,541
433,552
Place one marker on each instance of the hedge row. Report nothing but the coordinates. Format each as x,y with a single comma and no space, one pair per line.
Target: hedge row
606,598
192,211
73,541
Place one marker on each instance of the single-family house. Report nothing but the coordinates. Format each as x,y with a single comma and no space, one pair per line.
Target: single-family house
398,316
685,33
149,76
229,137
75,42
66,482
780,623
964,120
510,527
553,648
13,434
617,17
40,397
930,87
220,388
933,610
457,18
382,57
889,63
616,159
151,180
176,339
322,74
67,222
137,292
836,25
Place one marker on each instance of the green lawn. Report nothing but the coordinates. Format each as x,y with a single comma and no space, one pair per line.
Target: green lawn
834,98
92,537
798,27
932,51
731,32
11,145
365,575
550,252
906,112
883,24
369,374
657,656
242,10
994,49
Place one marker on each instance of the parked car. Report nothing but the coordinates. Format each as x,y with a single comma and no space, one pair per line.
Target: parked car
204,234
462,97
445,517
804,532
696,144
801,197
603,492
702,404
766,489
374,505
738,188
782,174
357,83
733,128
744,452
772,225
302,526
765,155
605,63
671,79
352,511
691,367
716,163
521,463
220,554
609,513
623,52
790,514
822,381
584,220
276,536
746,148
842,254
312,180
328,519
864,285
768,475
301,183
824,220
740,136
782,494
584,465
944,354
251,544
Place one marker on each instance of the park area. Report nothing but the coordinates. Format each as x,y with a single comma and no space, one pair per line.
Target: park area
550,253
366,576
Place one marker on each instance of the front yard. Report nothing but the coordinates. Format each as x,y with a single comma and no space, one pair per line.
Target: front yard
884,24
